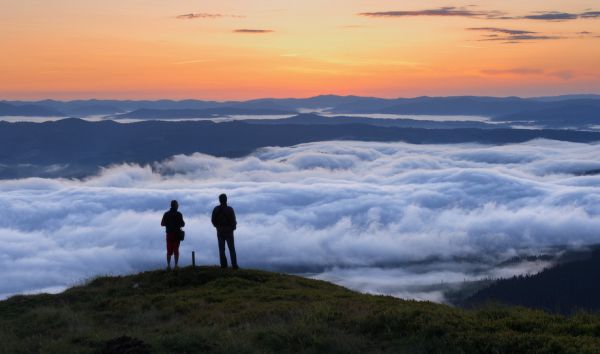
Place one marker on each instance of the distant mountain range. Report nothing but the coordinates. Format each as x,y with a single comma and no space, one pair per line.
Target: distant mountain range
145,113
77,148
559,110
567,113
28,110
315,119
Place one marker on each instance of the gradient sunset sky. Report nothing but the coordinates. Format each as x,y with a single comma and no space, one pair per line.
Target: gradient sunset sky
241,49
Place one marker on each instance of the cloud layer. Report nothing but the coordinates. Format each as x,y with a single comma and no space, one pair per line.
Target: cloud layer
471,12
391,218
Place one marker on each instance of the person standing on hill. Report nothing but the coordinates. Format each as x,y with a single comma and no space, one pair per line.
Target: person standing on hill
223,219
172,220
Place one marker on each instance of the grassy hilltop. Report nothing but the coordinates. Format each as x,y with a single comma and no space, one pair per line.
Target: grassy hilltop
212,310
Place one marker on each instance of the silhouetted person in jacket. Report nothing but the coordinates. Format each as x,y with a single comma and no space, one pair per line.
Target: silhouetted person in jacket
223,219
172,220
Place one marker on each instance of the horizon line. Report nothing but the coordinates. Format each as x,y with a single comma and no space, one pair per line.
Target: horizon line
91,98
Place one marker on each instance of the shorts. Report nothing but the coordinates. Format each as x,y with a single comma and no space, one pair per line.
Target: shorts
173,244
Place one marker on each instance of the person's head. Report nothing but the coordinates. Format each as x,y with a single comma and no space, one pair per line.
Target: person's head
223,199
174,205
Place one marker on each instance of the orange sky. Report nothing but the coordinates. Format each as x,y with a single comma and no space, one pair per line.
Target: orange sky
141,49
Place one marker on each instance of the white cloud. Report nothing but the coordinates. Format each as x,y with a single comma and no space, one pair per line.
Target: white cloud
380,217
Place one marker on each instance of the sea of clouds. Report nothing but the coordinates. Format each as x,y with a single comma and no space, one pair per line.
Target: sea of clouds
389,218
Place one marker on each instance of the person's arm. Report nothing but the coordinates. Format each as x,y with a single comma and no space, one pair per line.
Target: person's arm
234,221
181,222
213,218
162,222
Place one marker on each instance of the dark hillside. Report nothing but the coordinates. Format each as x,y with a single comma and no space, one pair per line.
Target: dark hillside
223,311
565,288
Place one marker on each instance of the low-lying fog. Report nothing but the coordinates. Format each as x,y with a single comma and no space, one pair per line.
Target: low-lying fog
390,218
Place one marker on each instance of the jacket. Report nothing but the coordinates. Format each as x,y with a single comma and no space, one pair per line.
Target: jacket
173,221
223,219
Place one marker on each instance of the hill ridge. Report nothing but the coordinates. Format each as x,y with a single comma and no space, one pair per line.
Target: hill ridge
208,309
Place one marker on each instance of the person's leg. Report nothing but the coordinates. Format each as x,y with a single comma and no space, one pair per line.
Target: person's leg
222,256
169,252
232,254
176,252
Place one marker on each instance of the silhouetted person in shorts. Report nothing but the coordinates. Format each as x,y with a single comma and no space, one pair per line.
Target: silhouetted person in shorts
172,220
223,219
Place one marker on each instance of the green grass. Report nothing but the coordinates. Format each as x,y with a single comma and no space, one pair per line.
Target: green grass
246,311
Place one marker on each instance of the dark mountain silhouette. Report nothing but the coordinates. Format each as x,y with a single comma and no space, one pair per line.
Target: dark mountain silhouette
483,106
561,113
85,110
311,118
267,105
565,288
75,148
566,97
198,113
318,102
79,107
365,105
498,107
28,110
459,105
130,105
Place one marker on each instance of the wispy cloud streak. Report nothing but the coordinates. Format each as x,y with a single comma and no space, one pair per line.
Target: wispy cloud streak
561,74
513,71
500,30
511,35
449,11
252,31
452,11
196,16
